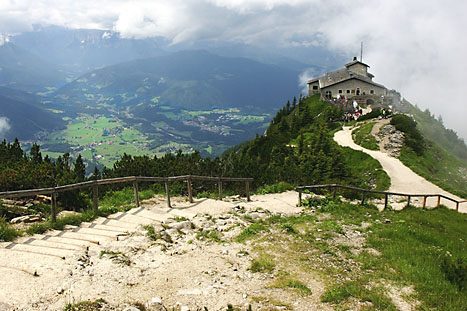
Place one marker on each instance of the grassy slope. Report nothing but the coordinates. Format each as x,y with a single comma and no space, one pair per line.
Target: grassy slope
403,249
362,136
439,167
445,160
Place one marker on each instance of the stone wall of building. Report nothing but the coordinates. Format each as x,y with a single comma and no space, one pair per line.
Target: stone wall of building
359,68
352,88
313,88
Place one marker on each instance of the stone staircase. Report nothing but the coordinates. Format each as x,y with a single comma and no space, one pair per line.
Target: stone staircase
57,249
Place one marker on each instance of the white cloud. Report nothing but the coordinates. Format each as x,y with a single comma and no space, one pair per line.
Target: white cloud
414,46
4,125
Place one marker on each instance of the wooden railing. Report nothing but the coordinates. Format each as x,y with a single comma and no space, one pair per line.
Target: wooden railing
364,192
134,179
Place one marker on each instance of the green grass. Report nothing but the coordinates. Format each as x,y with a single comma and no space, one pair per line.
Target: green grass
362,136
331,225
251,231
338,294
274,188
264,263
61,222
418,248
117,257
151,233
85,306
123,197
363,167
285,281
7,232
415,244
210,235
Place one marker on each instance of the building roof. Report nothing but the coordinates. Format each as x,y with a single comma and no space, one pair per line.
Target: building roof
356,62
341,75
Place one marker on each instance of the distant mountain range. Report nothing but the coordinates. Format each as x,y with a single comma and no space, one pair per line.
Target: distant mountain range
24,116
194,80
25,71
146,93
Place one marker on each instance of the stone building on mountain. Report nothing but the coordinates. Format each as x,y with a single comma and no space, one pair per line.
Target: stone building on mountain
352,82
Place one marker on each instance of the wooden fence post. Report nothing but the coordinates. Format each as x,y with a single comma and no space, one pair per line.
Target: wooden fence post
408,200
95,197
363,197
167,193
424,201
334,193
439,199
220,189
135,191
53,202
247,188
299,197
386,200
190,196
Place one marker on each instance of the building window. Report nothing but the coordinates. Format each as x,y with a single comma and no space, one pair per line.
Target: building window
348,91
315,87
340,91
372,91
358,91
328,94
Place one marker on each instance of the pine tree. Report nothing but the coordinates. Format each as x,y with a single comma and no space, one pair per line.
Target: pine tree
96,174
36,154
79,170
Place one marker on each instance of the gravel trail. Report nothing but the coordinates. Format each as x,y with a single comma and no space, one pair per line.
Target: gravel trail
403,179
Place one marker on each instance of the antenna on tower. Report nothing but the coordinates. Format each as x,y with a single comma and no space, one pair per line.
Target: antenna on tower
361,52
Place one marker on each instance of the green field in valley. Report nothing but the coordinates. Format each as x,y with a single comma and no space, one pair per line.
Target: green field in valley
99,138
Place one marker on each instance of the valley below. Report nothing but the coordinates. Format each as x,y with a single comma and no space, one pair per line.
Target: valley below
104,136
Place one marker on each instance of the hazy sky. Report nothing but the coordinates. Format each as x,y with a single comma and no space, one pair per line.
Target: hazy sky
417,47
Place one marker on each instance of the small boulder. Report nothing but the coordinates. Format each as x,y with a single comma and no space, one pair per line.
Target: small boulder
182,225
155,305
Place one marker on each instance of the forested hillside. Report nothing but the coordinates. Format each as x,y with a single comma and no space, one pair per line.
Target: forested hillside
298,148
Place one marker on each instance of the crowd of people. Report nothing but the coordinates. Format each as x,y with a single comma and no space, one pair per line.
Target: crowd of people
352,110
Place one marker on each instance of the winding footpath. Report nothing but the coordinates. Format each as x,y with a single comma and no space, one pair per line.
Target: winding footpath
403,179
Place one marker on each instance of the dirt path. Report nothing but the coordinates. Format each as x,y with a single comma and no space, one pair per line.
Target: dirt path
403,179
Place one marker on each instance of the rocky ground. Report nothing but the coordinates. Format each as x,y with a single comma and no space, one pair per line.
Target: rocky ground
185,258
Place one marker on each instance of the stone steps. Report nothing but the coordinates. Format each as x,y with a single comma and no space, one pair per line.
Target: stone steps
21,255
57,251
40,250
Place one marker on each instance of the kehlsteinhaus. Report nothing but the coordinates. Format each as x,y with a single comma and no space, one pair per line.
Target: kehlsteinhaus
352,82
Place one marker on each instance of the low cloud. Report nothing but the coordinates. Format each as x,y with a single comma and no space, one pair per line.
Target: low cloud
306,75
4,126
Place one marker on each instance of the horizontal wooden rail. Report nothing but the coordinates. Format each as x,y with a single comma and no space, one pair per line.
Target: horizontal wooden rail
385,193
134,179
